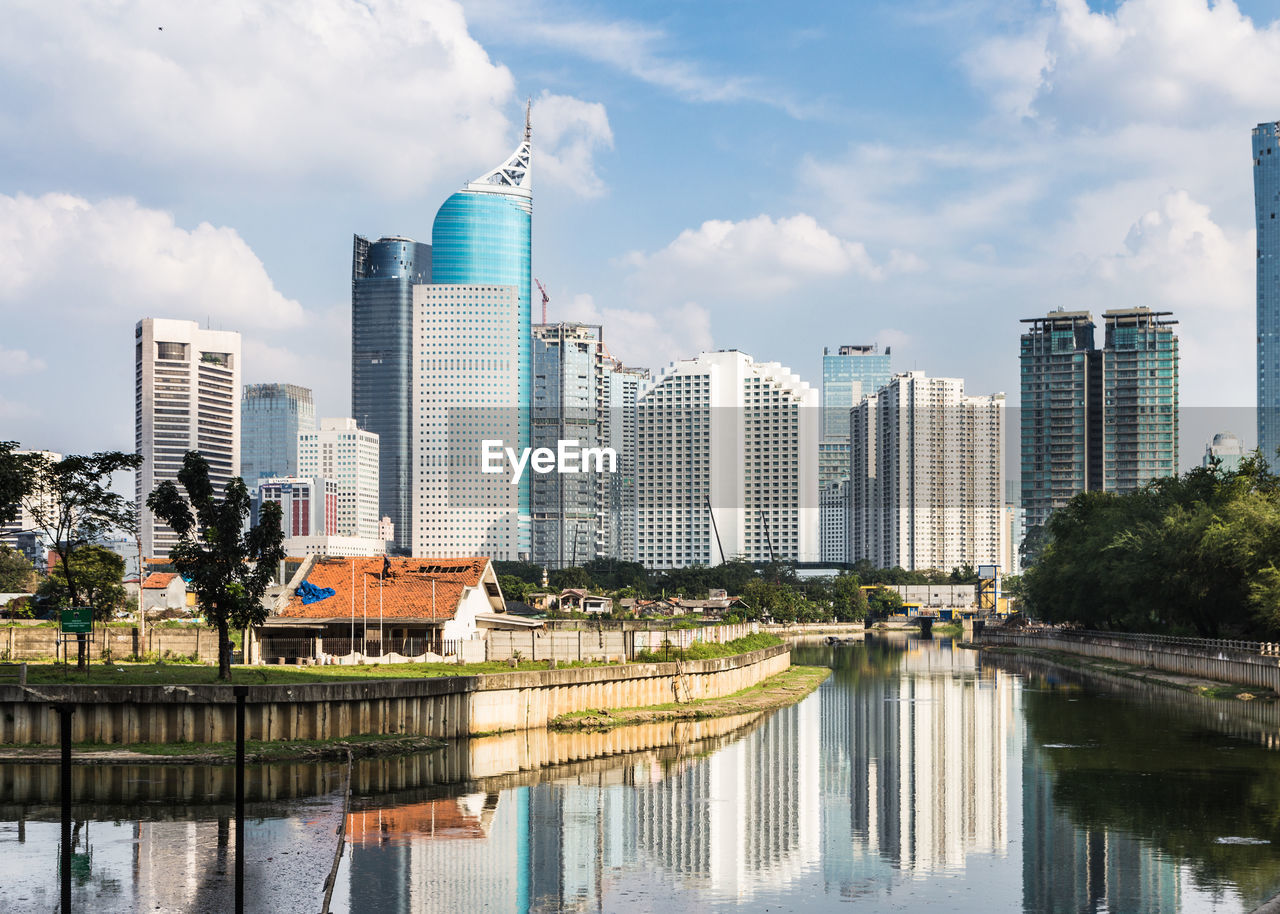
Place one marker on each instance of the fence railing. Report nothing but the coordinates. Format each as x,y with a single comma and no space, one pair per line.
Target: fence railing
1252,647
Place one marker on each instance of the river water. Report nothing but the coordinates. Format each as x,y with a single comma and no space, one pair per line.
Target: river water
920,775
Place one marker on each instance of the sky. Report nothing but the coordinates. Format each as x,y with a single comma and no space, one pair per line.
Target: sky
769,177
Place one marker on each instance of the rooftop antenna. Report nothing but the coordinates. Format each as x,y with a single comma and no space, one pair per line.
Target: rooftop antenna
528,122
545,297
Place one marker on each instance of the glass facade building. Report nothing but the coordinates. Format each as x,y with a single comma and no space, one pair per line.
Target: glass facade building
383,274
271,415
482,235
1140,390
848,374
1266,205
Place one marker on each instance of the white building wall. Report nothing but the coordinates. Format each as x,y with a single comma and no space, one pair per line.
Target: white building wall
741,435
187,398
928,476
342,451
465,390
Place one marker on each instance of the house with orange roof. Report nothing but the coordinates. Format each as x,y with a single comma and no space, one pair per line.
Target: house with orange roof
164,590
384,609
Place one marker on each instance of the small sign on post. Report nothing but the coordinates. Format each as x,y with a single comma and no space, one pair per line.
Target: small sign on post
77,621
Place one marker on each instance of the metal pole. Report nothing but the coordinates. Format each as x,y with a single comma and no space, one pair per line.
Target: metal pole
240,693
363,655
353,606
381,584
64,714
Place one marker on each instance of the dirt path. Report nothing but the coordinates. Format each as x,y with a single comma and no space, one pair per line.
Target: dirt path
778,691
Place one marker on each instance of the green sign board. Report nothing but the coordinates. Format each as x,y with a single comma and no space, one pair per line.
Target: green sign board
77,621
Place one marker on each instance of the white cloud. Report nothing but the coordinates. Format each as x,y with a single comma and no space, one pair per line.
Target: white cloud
383,94
114,261
645,339
1150,60
759,258
19,362
568,133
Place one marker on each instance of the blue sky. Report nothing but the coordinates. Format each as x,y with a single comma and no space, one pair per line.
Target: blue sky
770,177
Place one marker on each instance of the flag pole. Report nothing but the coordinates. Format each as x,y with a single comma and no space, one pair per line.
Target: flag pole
353,606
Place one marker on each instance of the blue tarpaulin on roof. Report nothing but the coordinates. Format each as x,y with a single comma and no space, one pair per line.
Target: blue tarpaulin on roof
310,593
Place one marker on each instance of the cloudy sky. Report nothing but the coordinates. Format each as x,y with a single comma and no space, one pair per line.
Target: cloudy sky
762,176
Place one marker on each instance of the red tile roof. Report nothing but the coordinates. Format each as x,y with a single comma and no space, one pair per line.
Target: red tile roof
157,580
407,593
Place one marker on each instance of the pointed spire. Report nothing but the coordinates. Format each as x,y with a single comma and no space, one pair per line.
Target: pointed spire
528,120
512,176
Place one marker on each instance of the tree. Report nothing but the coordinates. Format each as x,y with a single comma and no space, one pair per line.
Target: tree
15,480
16,574
513,588
71,504
848,599
884,602
566,578
99,574
228,567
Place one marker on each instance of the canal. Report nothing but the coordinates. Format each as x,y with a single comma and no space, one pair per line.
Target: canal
919,775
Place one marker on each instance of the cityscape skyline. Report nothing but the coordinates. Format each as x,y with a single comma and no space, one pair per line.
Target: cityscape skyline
1140,225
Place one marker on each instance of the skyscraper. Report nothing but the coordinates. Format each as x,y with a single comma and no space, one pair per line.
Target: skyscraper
582,393
1096,419
271,416
383,274
1140,398
482,237
927,475
848,375
1266,204
343,452
728,464
1061,380
187,399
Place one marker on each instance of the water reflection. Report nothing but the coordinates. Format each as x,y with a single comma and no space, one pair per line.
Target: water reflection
918,775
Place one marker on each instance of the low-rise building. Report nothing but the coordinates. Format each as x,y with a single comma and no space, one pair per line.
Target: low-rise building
164,590
349,610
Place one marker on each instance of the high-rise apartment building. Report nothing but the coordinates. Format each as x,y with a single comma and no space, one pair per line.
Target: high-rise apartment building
581,393
21,533
848,374
834,498
187,398
1140,398
383,274
927,475
1061,416
271,416
727,463
1096,419
1266,206
466,353
347,455
481,237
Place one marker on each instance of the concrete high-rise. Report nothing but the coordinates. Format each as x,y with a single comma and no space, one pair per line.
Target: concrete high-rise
927,476
271,416
728,463
1061,383
383,274
1096,419
582,393
346,454
1227,449
481,237
187,398
1266,206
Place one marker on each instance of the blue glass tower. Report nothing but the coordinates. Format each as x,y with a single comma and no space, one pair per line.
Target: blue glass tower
483,235
383,274
271,415
1266,204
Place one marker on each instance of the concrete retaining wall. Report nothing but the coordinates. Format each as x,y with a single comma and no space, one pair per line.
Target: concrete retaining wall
559,642
443,707
39,642
1220,664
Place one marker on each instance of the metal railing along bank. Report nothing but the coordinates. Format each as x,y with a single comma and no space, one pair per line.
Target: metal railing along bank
1245,663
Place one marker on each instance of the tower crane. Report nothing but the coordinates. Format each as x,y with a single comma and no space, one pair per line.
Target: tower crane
545,298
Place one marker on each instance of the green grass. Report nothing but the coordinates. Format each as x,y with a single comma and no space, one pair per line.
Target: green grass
709,650
195,674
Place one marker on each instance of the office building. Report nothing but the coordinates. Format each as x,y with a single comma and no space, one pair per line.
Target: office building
848,374
582,393
1096,419
927,476
348,455
1227,449
383,274
1266,204
271,416
308,505
187,398
727,463
466,389
481,237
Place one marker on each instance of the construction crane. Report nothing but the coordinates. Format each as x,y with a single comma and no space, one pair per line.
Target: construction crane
545,298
